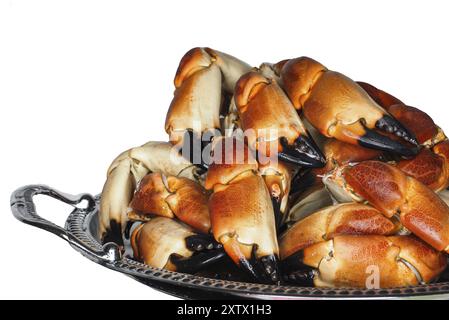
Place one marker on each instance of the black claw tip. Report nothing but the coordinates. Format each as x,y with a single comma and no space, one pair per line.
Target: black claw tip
374,140
295,271
198,261
269,267
389,124
200,242
263,270
113,234
127,232
193,149
303,152
303,277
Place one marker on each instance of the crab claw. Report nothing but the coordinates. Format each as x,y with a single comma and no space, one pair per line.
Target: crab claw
170,196
272,124
392,192
246,228
165,243
338,107
125,173
417,121
349,260
203,80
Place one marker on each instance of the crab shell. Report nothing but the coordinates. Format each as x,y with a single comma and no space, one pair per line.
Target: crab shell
312,88
264,107
358,261
156,240
241,210
202,75
170,197
249,222
342,219
430,166
124,174
392,192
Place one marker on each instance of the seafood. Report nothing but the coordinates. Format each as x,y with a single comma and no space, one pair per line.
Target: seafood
285,173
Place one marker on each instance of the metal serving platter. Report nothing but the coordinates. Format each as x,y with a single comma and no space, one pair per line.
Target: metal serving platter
80,232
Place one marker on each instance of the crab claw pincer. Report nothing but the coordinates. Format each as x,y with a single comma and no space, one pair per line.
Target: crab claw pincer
165,243
275,125
242,215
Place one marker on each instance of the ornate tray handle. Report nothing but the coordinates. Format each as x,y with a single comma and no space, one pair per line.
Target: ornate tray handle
24,209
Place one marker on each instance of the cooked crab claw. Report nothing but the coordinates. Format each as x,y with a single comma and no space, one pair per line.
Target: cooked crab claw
203,81
123,175
431,165
338,107
304,152
165,243
246,229
171,196
271,123
342,245
367,261
392,192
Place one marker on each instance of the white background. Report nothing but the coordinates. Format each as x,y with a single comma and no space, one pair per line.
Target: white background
80,81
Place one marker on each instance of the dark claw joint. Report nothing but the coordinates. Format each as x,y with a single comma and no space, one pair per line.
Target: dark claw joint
198,261
206,251
263,269
373,139
296,272
304,152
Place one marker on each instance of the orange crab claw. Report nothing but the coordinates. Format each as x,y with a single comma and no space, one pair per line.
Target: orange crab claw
245,228
276,127
203,79
165,243
338,107
392,192
416,120
325,224
171,196
350,260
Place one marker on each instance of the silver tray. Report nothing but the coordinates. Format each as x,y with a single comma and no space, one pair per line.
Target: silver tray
80,232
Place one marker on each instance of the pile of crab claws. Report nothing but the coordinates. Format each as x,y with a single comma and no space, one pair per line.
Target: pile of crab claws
374,140
304,153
